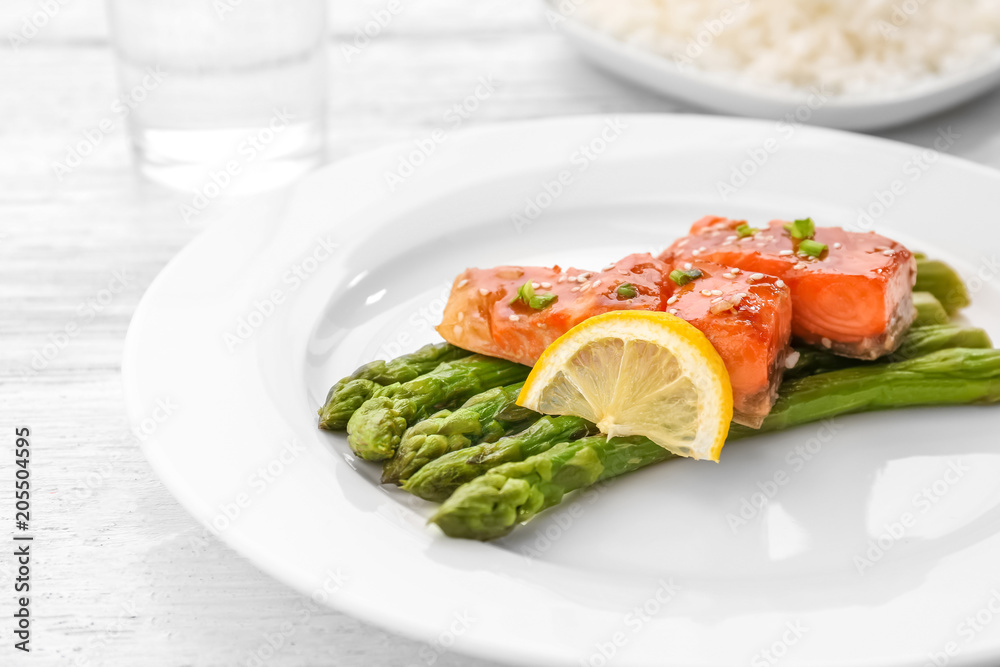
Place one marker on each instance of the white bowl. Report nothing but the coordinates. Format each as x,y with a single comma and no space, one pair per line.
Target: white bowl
725,94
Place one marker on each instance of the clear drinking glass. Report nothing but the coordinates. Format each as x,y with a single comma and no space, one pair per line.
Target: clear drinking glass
222,94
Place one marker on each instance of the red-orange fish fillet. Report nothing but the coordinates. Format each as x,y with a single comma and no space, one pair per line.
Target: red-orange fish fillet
748,320
854,299
480,315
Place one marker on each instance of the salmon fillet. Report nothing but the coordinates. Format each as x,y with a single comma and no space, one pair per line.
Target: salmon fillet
481,317
748,320
750,330
855,299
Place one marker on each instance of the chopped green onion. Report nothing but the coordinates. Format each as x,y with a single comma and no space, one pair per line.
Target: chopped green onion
684,277
526,294
745,230
543,301
801,229
627,291
812,248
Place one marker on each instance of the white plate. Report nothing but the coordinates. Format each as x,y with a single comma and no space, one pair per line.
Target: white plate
728,95
561,588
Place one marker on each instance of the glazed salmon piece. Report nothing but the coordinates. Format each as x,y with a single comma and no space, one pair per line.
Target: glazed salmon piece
482,315
749,322
854,299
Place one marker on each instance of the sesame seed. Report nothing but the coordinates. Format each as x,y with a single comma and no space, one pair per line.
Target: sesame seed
608,267
706,292
716,292
730,239
535,285
461,316
687,266
457,329
827,343
837,246
800,266
716,300
779,282
623,272
756,276
585,286
681,244
735,270
574,289
695,253
729,275
672,300
672,311
887,253
596,283
792,359
786,252
514,318
546,285
583,276
746,239
483,291
561,279
462,283
702,249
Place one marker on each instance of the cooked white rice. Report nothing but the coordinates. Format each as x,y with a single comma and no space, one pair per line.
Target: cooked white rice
846,46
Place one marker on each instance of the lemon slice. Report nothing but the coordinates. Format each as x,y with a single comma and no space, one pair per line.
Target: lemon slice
635,372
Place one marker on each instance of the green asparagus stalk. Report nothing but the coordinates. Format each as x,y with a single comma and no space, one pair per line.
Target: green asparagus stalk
343,400
352,391
947,377
438,479
485,417
929,310
376,428
917,342
943,282
491,505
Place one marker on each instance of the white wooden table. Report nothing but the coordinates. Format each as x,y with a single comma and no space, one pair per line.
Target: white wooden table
118,578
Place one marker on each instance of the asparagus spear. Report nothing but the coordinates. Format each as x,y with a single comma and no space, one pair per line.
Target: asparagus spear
352,391
946,377
376,428
492,504
438,479
917,342
343,400
943,282
929,310
485,417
